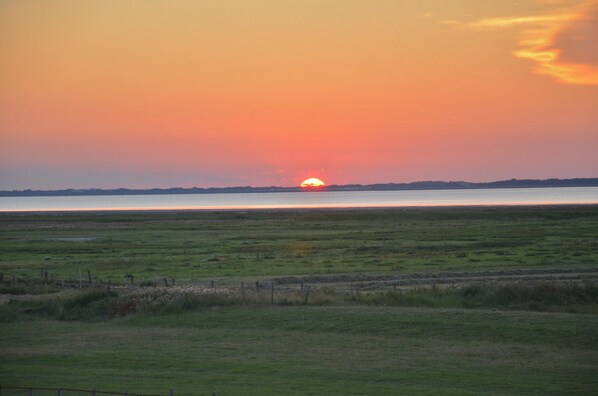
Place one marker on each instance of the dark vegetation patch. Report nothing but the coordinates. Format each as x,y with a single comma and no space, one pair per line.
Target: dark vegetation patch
102,304
90,305
544,297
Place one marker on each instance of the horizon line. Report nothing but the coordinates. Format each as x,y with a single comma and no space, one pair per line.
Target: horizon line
593,180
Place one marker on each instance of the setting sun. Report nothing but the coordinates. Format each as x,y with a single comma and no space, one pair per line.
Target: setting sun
312,182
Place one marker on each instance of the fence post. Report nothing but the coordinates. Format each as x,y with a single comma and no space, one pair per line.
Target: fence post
93,392
59,391
306,294
243,293
171,392
272,296
30,392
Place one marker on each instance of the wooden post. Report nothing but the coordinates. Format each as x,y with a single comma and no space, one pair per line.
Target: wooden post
59,392
30,392
257,285
301,287
93,392
272,296
89,277
243,293
171,393
80,278
212,284
306,294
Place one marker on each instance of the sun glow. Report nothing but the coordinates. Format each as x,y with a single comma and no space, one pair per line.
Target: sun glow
312,182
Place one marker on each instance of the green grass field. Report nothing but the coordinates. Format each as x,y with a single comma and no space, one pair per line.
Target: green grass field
311,350
423,343
194,245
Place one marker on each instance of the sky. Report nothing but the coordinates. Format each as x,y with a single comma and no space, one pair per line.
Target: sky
162,93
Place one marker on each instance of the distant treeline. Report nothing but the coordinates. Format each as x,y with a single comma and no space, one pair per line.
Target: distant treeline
422,185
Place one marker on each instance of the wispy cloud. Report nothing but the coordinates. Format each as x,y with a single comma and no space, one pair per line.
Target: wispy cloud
562,44
526,20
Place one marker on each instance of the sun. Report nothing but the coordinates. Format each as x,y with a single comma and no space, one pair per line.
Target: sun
312,182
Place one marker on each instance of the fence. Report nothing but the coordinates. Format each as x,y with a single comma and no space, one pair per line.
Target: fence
35,391
347,282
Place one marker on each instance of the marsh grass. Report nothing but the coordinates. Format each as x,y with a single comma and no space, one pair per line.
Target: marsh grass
102,304
196,245
476,339
26,285
88,305
542,296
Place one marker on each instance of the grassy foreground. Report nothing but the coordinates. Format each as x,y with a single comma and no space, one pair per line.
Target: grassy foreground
478,339
193,245
311,350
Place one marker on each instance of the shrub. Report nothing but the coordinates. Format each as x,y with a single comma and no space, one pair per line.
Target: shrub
91,305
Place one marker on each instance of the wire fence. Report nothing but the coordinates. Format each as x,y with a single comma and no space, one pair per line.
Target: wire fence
37,391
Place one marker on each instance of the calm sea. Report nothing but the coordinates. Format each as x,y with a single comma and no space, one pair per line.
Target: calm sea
299,200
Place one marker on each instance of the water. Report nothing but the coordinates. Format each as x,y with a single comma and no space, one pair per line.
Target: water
301,200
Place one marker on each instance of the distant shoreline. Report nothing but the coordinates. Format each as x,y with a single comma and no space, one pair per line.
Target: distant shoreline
361,209
422,185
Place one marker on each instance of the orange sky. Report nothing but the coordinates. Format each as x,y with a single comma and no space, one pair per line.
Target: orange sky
157,93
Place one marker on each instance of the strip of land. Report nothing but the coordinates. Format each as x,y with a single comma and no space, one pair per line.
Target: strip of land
421,185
